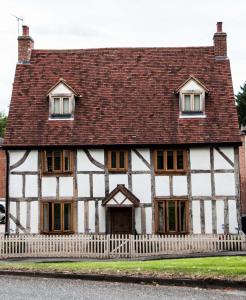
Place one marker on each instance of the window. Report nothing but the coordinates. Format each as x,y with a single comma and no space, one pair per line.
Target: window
57,217
171,216
170,161
61,106
57,161
2,214
118,160
191,103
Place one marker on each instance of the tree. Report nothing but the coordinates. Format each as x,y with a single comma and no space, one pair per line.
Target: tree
3,121
241,105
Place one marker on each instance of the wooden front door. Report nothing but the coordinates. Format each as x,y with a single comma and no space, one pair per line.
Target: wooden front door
121,220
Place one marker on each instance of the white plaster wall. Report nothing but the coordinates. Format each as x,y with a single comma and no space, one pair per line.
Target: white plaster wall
91,216
220,216
34,217
30,164
208,216
81,226
200,158
23,211
224,184
138,226
201,184
119,197
191,85
162,186
180,185
98,185
148,212
31,188
101,212
12,211
232,214
15,185
83,185
48,187
66,186
137,163
84,164
115,179
60,89
196,216
219,161
141,187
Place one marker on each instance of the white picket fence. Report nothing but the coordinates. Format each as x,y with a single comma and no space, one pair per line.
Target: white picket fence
108,246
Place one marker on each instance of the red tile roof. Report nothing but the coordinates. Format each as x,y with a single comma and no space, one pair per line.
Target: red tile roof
127,97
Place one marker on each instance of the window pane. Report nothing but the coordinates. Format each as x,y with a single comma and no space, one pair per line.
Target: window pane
171,216
49,161
170,157
187,103
197,103
122,159
160,217
65,106
67,216
57,160
57,106
180,160
113,159
67,161
160,160
46,218
182,216
57,216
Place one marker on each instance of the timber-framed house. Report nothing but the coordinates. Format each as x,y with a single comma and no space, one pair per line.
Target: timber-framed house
123,140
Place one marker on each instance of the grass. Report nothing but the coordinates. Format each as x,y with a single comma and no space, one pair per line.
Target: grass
219,267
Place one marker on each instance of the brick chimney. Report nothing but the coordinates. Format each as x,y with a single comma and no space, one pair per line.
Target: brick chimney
220,45
25,45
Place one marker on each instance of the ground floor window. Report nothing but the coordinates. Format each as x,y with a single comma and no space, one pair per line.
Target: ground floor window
171,216
57,217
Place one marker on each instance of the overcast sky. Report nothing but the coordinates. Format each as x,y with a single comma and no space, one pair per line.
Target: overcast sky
58,24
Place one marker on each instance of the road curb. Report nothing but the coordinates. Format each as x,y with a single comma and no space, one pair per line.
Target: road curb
202,283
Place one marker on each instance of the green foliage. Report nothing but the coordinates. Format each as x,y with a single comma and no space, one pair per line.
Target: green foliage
3,122
241,105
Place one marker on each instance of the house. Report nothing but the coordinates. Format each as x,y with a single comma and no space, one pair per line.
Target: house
242,160
123,140
2,187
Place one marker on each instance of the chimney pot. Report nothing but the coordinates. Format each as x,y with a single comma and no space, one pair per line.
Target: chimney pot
25,30
219,26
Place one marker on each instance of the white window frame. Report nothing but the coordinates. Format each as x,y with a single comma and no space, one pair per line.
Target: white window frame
61,99
192,95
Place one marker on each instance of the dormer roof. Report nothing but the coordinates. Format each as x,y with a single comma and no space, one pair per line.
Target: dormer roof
61,81
194,79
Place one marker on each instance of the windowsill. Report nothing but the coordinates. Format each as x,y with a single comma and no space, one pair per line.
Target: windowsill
58,232
57,174
192,116
118,171
61,117
170,172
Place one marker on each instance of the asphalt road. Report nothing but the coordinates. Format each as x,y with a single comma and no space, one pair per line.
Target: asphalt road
39,288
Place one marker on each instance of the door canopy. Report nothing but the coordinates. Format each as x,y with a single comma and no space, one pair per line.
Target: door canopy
121,196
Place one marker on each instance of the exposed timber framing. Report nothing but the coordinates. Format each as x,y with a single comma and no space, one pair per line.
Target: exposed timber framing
129,177
224,156
147,164
237,185
93,161
18,224
20,161
189,191
153,193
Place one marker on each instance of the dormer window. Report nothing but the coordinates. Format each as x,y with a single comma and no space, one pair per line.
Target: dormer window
192,103
192,98
61,106
61,101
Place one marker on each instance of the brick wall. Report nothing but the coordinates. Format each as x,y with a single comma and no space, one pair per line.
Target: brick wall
2,173
242,158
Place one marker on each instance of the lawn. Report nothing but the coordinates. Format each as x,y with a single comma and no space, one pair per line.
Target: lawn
219,267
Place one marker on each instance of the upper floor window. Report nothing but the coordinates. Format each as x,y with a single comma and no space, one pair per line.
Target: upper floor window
57,161
61,101
192,98
118,160
170,161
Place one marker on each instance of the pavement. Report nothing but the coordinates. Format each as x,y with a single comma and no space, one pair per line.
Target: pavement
20,288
